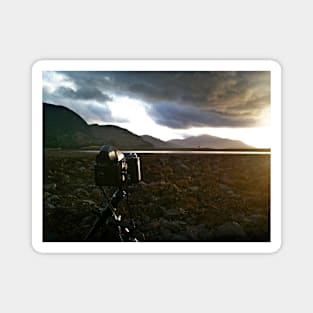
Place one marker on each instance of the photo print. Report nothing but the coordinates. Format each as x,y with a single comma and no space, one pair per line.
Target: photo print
172,156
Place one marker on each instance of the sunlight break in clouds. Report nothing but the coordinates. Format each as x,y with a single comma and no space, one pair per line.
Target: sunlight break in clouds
138,121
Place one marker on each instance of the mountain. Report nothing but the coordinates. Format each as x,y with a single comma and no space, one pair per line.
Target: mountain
117,136
63,128
210,142
157,143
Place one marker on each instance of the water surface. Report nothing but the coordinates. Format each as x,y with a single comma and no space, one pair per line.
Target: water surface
186,152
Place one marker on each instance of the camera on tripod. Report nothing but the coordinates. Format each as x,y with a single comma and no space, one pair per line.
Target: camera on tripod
115,168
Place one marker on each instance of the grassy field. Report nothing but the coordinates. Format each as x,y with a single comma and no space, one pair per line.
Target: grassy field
181,198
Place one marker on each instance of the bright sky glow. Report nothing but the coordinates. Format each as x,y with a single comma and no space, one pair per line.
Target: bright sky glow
140,123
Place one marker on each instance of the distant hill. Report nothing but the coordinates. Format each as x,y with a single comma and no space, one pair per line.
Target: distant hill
63,128
157,143
117,136
208,141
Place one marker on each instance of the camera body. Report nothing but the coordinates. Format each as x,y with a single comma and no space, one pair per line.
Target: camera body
115,168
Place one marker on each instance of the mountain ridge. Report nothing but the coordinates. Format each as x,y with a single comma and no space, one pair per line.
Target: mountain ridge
210,142
64,128
158,142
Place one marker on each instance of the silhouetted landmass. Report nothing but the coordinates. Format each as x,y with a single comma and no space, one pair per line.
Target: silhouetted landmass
65,129
208,141
116,136
157,143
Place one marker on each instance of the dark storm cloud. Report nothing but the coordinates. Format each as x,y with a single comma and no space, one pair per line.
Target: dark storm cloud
177,116
177,99
82,93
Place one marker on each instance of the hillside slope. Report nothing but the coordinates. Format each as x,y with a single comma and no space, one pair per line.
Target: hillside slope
63,128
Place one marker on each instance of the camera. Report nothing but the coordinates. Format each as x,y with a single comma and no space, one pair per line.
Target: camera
115,168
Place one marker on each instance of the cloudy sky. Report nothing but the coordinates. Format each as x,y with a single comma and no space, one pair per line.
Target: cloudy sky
169,105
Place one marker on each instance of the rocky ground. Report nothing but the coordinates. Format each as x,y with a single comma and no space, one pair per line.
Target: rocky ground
181,198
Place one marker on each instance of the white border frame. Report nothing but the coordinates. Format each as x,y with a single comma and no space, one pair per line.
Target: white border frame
155,247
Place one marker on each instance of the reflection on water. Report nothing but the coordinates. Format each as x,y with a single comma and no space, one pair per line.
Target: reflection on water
186,152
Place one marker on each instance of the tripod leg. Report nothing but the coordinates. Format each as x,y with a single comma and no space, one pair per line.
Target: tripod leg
103,215
93,229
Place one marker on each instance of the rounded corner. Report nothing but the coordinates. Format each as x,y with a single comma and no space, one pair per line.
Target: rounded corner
36,248
275,65
37,65
276,247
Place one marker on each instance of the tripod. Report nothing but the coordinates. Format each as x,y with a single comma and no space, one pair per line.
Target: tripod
108,225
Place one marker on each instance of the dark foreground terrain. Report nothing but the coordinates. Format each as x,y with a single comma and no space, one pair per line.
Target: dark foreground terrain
182,197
